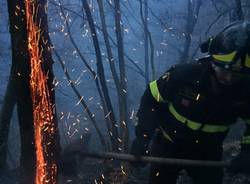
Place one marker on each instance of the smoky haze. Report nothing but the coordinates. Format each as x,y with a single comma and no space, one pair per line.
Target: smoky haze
162,33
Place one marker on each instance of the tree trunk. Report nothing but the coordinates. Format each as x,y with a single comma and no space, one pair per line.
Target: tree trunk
5,118
237,12
144,19
147,42
20,29
123,80
42,92
193,13
101,76
20,73
109,52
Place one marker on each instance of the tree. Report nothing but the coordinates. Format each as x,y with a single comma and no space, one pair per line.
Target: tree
101,76
123,83
20,78
147,42
237,12
33,78
192,16
5,118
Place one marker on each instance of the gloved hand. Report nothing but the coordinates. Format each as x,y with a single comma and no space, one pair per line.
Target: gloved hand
138,149
241,164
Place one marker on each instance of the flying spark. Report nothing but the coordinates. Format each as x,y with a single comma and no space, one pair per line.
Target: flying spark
43,109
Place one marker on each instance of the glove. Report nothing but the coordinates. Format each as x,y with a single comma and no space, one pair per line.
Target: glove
241,164
138,149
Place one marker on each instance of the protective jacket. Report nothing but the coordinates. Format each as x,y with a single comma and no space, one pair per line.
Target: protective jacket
187,94
189,111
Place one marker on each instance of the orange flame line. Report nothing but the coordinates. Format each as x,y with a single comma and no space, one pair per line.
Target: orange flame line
42,108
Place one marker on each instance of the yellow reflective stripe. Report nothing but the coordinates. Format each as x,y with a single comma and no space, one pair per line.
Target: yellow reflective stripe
245,140
155,91
214,128
225,57
195,125
247,61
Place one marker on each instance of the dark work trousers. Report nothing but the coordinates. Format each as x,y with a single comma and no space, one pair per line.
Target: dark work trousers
189,148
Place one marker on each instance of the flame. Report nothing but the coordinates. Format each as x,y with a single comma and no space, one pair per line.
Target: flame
43,109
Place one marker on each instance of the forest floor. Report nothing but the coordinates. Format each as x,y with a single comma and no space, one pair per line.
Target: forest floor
91,171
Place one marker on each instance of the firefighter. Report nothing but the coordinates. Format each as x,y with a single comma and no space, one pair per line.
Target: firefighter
188,111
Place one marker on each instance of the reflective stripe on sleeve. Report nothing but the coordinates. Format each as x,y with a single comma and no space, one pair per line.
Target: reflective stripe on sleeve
155,91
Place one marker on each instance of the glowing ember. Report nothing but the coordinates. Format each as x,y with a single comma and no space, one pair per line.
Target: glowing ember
43,110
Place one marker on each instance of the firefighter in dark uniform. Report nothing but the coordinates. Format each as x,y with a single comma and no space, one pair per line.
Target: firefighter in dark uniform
190,108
